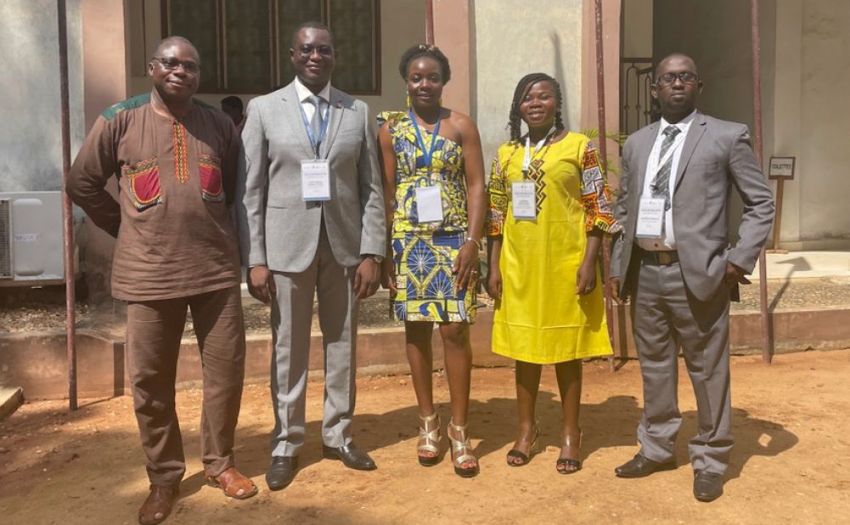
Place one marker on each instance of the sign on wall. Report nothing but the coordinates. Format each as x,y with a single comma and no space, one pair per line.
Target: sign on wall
781,168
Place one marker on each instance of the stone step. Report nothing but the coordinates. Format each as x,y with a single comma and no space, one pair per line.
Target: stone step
10,399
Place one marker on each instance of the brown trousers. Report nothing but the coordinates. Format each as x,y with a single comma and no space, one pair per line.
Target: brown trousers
154,329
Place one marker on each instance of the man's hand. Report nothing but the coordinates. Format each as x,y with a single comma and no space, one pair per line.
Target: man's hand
388,275
614,290
585,279
261,284
367,279
466,265
735,275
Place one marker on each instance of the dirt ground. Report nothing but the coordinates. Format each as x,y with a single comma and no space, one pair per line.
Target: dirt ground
790,464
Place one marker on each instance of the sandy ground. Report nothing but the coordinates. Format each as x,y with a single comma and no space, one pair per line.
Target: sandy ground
791,461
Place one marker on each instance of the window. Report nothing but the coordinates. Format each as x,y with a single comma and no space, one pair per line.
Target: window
244,44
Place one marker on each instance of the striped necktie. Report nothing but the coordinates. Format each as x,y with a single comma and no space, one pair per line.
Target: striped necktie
661,185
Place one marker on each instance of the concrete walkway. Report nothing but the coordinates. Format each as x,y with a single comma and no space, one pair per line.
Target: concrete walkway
806,265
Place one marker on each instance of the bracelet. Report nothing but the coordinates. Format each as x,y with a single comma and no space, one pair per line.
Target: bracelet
477,243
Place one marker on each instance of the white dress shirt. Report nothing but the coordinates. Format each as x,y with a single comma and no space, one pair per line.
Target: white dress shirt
304,95
668,239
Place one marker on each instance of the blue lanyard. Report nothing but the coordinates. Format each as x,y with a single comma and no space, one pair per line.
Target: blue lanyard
309,128
426,155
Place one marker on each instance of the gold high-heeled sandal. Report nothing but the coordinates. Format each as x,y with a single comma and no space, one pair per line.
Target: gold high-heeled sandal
429,440
462,451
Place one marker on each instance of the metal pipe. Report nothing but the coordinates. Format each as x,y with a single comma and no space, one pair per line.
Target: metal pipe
766,343
603,165
429,22
67,210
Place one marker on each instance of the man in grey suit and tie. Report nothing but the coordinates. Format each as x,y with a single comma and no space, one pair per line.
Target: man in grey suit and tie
311,219
675,260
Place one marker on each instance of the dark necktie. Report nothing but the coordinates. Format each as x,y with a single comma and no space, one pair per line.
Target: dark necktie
661,185
317,120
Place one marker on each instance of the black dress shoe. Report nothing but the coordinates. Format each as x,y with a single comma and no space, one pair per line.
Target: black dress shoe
281,472
640,466
708,486
351,456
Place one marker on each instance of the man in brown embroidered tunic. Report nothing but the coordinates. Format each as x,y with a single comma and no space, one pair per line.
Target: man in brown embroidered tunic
175,160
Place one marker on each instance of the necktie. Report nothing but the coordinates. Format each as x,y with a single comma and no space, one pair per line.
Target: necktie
661,185
317,120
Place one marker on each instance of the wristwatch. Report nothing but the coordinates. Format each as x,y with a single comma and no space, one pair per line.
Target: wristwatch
377,258
474,240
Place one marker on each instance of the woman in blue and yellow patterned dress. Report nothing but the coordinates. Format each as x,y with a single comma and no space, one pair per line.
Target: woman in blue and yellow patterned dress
549,208
434,190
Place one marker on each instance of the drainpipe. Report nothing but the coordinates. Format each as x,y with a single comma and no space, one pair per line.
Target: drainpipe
766,343
429,22
67,211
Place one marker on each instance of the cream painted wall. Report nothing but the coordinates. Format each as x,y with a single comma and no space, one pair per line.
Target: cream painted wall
513,39
31,135
402,25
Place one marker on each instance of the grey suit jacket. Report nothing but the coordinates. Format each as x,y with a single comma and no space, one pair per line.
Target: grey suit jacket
716,156
277,228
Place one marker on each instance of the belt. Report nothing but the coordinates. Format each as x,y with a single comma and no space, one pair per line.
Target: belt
660,258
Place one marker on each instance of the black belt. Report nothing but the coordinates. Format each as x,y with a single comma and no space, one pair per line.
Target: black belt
660,258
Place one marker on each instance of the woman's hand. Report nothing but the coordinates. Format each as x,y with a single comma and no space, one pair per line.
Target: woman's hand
466,265
494,283
586,278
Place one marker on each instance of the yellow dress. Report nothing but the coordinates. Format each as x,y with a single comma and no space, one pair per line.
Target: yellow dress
540,318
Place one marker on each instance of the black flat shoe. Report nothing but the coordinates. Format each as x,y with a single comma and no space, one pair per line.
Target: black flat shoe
640,467
281,472
708,486
351,457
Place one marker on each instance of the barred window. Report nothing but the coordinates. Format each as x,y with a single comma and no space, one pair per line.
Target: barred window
244,44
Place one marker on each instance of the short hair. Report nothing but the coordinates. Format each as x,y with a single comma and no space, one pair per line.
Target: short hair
524,85
174,39
233,102
423,50
312,24
674,55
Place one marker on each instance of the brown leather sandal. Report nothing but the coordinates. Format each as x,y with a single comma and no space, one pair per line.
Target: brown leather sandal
158,505
233,483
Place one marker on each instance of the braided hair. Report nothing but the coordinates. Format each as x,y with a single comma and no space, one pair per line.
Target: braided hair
515,121
422,50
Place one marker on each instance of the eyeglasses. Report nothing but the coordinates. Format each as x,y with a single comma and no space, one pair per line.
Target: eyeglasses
171,63
670,78
307,51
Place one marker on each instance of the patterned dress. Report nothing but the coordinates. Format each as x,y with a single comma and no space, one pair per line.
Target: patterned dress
423,253
540,318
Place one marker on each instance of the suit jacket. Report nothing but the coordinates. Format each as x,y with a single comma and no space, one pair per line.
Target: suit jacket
277,228
716,157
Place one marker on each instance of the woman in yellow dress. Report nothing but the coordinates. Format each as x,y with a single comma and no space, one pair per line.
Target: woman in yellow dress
436,202
549,208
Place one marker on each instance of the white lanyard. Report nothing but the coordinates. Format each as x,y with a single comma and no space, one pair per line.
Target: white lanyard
670,151
527,160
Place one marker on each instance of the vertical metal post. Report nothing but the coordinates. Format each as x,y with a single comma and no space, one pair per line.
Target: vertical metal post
67,211
765,314
603,165
429,22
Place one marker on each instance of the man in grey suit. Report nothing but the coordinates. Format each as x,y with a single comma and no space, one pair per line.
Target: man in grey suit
675,260
311,219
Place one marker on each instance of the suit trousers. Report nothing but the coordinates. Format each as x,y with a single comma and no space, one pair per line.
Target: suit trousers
292,316
665,316
154,330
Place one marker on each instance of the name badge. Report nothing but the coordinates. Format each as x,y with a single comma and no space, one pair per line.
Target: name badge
429,204
650,221
315,180
524,198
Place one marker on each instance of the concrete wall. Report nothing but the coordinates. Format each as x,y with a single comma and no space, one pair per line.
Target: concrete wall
31,136
402,25
513,39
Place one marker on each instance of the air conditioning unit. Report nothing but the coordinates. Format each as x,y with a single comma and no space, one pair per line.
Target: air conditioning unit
31,246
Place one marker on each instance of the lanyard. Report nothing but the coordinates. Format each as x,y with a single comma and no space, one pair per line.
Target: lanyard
528,156
426,155
309,128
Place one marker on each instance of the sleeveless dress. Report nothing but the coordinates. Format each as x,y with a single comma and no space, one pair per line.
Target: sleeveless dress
540,318
423,253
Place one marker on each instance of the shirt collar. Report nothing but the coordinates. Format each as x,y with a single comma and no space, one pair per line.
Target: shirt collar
304,92
683,124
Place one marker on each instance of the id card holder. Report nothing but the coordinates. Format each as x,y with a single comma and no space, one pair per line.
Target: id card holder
650,221
315,180
429,204
524,198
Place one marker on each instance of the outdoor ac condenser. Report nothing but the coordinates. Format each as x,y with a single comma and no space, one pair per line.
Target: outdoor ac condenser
31,247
